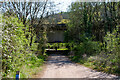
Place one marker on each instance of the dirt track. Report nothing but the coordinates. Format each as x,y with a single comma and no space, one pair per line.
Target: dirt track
59,66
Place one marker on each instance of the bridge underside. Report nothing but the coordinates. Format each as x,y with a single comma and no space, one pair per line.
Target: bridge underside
55,33
56,36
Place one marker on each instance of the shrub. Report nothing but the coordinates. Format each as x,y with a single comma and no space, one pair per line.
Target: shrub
16,51
88,48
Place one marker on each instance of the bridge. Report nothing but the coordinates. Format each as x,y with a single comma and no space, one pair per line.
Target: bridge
55,33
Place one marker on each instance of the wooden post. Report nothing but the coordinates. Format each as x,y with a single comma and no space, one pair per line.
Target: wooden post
17,75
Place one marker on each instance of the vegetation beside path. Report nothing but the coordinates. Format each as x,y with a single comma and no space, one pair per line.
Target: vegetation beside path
17,54
92,36
94,31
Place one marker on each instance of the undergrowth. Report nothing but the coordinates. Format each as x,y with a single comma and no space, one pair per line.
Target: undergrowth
17,54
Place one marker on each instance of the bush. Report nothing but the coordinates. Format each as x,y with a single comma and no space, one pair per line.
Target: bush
16,52
88,48
109,57
13,44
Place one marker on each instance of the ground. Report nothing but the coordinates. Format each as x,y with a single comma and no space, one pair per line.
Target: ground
59,66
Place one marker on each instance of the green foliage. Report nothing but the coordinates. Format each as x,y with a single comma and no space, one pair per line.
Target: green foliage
63,21
109,59
88,48
34,61
42,41
16,52
58,45
112,40
106,59
95,32
13,44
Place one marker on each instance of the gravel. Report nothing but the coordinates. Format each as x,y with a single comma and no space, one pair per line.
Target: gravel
59,66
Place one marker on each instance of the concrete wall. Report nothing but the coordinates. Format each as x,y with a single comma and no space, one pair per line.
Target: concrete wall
56,35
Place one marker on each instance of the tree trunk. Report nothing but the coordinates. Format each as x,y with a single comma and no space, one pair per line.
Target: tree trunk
31,39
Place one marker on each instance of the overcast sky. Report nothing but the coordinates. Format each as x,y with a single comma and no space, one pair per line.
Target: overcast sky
64,4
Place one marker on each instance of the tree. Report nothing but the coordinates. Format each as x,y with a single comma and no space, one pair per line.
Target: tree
34,11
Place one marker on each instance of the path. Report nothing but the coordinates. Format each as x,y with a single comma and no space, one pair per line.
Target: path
59,66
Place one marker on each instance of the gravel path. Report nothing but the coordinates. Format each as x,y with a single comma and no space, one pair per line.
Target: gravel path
59,66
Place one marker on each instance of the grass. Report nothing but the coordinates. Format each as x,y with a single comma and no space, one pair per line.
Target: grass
31,67
63,49
26,71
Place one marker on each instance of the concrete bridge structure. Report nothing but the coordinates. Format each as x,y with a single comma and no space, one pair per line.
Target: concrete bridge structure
55,33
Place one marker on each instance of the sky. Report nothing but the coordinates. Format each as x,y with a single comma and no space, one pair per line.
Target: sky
61,7
64,4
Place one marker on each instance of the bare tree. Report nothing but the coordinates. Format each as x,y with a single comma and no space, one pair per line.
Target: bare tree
34,11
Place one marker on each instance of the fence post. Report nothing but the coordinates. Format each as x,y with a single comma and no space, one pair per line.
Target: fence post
17,75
